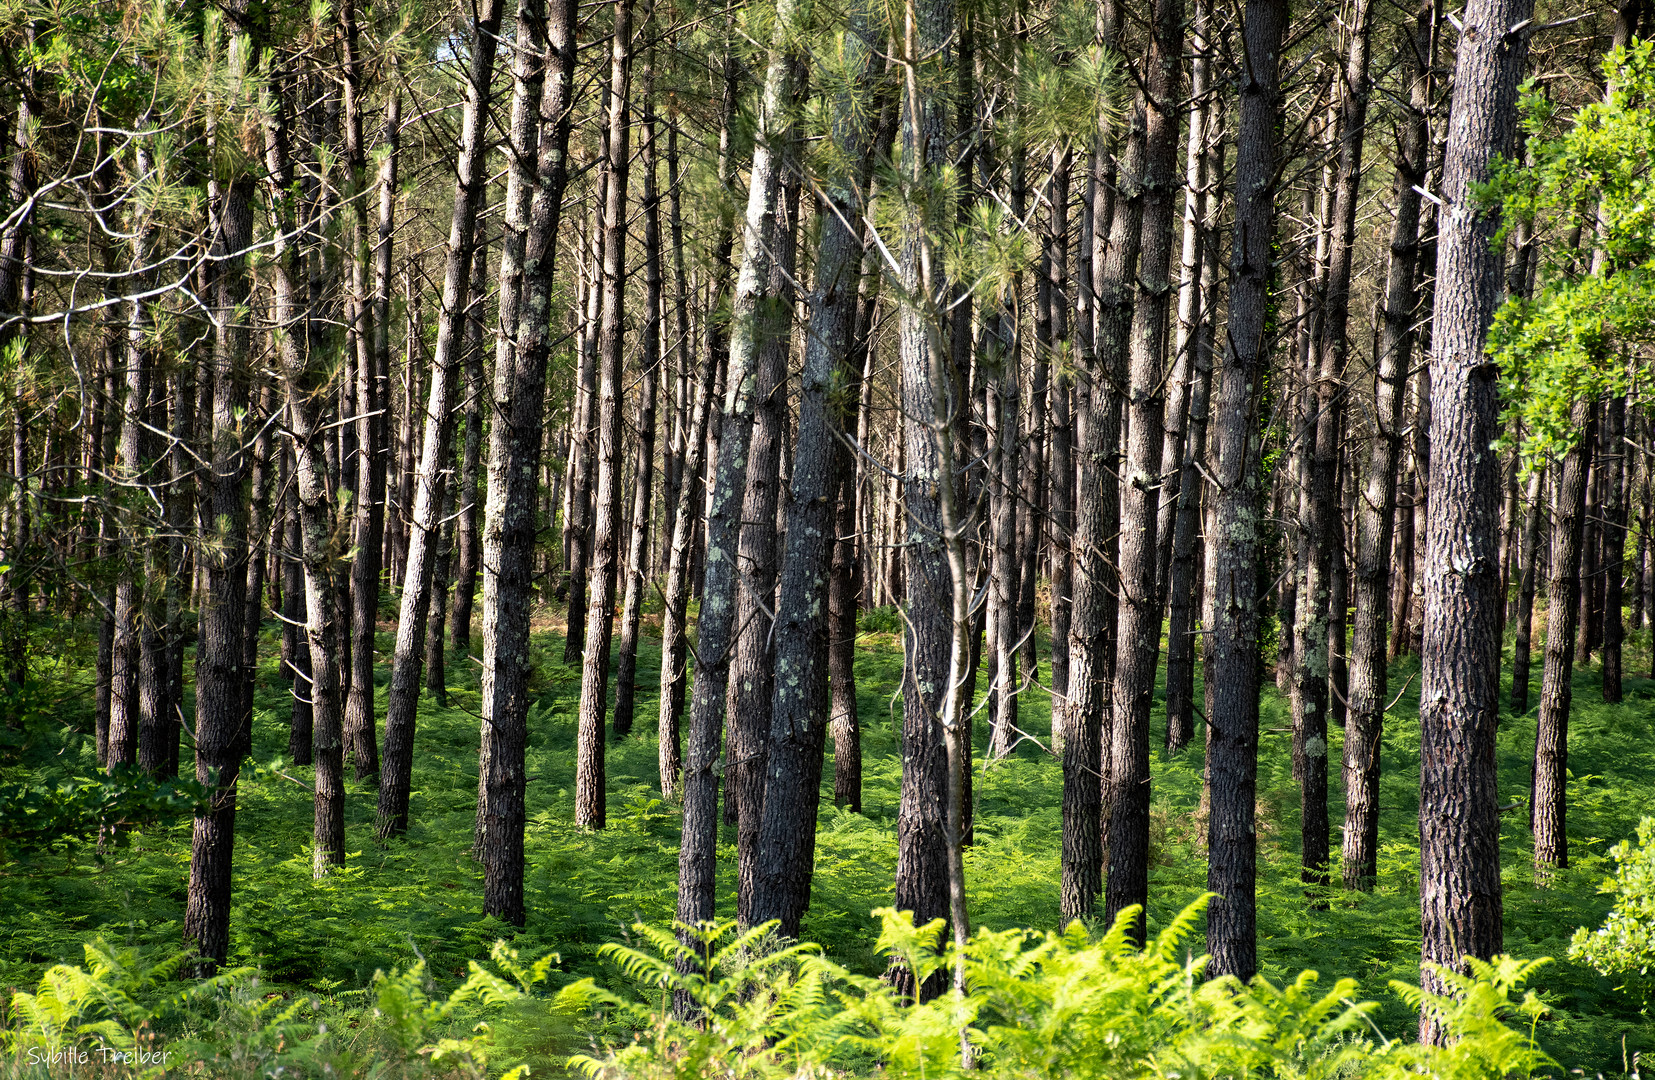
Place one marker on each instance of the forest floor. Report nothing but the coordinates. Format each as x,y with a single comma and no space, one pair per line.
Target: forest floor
421,896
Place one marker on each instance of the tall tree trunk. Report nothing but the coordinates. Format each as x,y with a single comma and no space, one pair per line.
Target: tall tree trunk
752,666
304,382
929,870
1376,506
1522,635
692,500
698,848
467,535
402,696
1138,642
1235,546
223,676
1613,457
517,406
1322,525
1549,807
365,314
1459,683
295,642
1062,497
590,787
786,841
637,565
1184,443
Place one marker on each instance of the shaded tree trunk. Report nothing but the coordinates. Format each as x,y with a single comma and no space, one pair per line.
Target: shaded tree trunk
1235,546
1460,901
1549,804
517,406
590,785
402,696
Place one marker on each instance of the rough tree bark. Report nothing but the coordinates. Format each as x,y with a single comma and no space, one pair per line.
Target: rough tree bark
1459,819
517,406
1235,546
649,360
698,848
590,784
402,696
1549,807
786,841
1138,642
1376,505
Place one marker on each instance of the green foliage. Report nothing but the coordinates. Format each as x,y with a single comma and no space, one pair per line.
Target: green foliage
1038,1006
1626,940
1568,342
35,815
228,1025
317,944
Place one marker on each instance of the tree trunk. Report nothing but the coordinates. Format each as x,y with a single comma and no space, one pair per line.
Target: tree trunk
1054,265
402,696
752,666
590,785
517,406
1235,546
467,536
1138,642
1613,456
1322,524
810,584
638,565
315,502
1184,442
1549,807
1522,635
1459,681
1376,506
692,500
698,848
365,313
223,676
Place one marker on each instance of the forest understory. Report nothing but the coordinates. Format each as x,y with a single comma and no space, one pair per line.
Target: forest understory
418,897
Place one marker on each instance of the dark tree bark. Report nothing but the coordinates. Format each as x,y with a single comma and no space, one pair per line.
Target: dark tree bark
1460,901
436,664
698,849
1054,268
692,500
786,841
1549,807
1589,619
1376,506
929,870
295,617
1138,644
1115,234
1323,524
637,564
365,313
223,678
517,406
1235,546
402,696
1184,443
317,553
1522,634
590,784
752,666
467,535
1612,453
